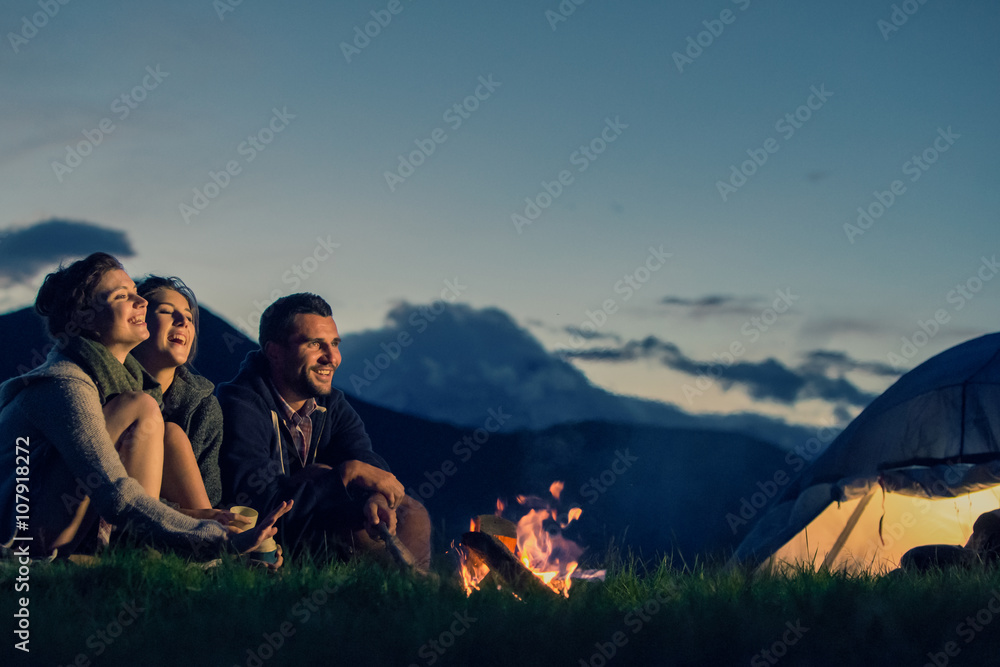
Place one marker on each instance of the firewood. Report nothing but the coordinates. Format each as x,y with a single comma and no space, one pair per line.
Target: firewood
498,527
504,564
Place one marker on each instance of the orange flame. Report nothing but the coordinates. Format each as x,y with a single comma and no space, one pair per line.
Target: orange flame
549,556
471,572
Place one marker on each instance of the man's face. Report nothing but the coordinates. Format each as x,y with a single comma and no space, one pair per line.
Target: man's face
303,367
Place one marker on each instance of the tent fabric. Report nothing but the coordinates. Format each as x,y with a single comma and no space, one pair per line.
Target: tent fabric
888,526
934,434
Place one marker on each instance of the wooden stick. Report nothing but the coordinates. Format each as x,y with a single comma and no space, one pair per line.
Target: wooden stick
396,548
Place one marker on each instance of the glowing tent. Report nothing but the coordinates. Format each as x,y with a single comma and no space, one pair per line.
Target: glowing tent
923,459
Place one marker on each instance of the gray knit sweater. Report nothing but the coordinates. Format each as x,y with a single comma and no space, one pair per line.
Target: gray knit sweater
56,411
191,404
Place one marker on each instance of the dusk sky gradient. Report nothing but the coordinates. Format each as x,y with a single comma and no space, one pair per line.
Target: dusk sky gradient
879,98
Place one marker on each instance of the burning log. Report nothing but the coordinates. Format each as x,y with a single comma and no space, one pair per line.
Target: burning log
503,563
525,556
498,527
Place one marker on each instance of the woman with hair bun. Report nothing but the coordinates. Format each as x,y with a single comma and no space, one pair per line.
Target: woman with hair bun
83,435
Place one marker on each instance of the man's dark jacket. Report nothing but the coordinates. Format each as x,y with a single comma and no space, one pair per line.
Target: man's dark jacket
261,468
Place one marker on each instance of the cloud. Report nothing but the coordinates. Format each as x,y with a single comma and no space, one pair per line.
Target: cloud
592,335
648,347
26,251
842,415
716,304
823,361
821,374
706,301
818,331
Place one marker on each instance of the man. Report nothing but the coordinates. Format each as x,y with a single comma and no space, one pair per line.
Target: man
290,435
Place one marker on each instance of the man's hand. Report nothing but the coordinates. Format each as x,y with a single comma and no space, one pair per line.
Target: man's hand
377,511
370,478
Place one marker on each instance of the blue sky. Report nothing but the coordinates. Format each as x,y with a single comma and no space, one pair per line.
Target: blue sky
318,189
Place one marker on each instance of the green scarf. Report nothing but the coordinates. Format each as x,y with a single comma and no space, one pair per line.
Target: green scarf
111,376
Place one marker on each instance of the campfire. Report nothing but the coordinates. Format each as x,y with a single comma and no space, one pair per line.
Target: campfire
530,556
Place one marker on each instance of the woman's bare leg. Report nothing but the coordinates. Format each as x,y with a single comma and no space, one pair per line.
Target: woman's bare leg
135,425
182,481
134,422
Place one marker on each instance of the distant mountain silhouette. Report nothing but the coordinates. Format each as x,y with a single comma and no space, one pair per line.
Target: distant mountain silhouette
650,488
450,362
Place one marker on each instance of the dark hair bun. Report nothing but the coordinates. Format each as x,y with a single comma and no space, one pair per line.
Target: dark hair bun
64,299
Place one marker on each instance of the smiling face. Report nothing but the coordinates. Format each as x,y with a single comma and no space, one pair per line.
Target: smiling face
303,366
171,330
120,314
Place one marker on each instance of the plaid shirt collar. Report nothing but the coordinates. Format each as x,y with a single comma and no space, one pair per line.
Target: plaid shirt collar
299,423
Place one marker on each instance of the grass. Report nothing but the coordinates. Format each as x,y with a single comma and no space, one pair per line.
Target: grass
363,613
